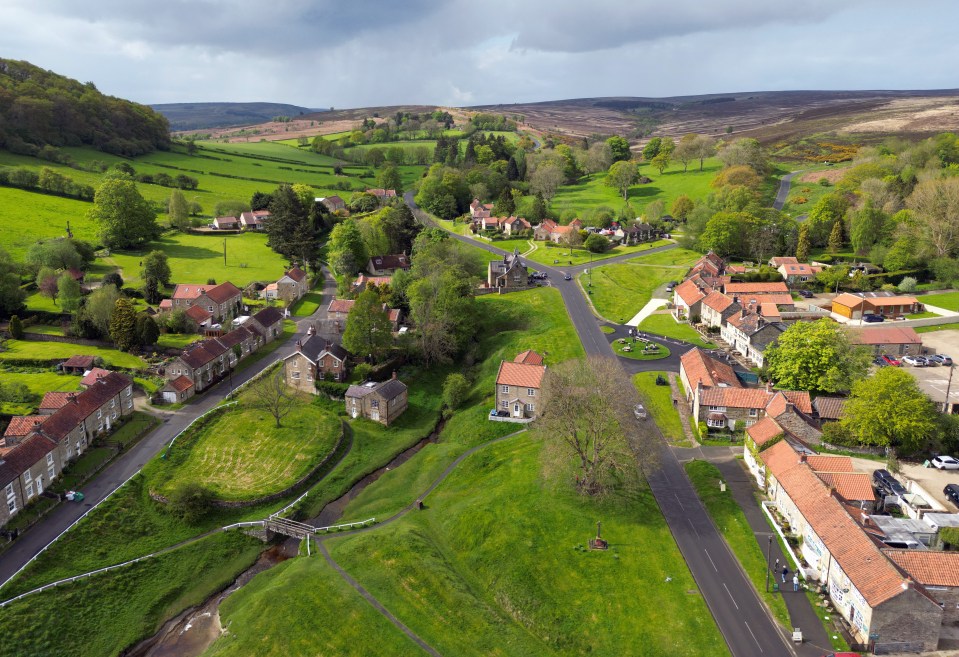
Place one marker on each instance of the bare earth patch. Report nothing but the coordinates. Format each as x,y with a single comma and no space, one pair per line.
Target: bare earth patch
911,115
832,175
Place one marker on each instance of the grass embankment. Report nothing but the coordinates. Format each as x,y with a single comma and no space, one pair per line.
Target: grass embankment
102,615
952,326
731,521
307,305
622,289
946,300
665,325
242,455
658,401
503,577
56,351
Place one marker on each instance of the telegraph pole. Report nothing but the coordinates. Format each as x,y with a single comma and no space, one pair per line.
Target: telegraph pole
224,252
945,405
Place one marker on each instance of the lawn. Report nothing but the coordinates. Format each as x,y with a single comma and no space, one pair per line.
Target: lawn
536,320
947,300
731,521
27,217
103,615
591,192
307,304
177,340
550,254
622,289
43,329
938,327
669,327
509,576
658,401
637,351
55,351
242,455
41,381
198,258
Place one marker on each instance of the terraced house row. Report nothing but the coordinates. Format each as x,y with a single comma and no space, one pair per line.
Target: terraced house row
36,448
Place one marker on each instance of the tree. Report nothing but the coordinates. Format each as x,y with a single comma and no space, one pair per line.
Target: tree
686,150
179,322
537,211
681,207
178,210
123,324
147,331
831,277
114,279
803,246
124,217
505,206
572,239
55,254
11,294
868,227
599,157
16,328
546,179
619,148
455,390
347,250
368,328
47,283
622,175
823,216
745,151
389,178
660,162
739,174
99,307
835,237
289,229
703,147
935,205
597,243
583,418
155,266
191,502
651,149
271,394
907,284
890,410
68,289
816,356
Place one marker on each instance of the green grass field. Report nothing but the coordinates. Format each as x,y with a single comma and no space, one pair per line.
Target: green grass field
27,217
55,351
41,382
731,521
242,455
103,615
307,305
177,340
503,577
669,327
637,351
559,255
592,192
939,327
658,401
947,300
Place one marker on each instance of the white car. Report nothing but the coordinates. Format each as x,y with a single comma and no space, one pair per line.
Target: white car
945,463
916,361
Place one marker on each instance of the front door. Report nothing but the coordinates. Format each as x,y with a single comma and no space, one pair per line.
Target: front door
375,415
39,485
517,410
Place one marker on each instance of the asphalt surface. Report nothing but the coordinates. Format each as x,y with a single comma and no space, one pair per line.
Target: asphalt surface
743,619
126,465
783,192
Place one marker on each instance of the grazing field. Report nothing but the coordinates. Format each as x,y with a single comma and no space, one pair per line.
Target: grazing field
242,455
946,300
620,290
510,576
731,521
669,327
27,217
105,614
591,192
658,401
55,351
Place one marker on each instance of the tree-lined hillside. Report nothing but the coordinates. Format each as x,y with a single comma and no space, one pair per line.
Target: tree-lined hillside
40,108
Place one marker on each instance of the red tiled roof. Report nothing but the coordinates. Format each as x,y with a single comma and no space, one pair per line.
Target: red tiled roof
529,357
55,400
85,362
297,274
717,301
198,314
892,301
262,214
829,463
851,486
885,335
382,193
798,398
735,397
372,280
800,269
166,304
848,300
67,418
90,377
198,355
341,305
21,425
394,314
520,374
928,567
689,292
756,288
784,260
224,292
704,369
763,431
190,292
179,384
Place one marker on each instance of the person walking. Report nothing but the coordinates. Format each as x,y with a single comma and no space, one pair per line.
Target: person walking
796,582
776,569
785,573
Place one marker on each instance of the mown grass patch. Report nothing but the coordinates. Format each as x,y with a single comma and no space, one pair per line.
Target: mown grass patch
55,351
669,327
658,401
946,300
731,521
638,351
307,304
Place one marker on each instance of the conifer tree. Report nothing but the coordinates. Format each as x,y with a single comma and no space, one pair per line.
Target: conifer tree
802,246
835,237
123,324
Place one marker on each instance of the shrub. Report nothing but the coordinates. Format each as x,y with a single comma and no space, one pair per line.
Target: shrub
113,278
16,328
191,502
907,284
824,182
799,200
332,388
363,371
455,389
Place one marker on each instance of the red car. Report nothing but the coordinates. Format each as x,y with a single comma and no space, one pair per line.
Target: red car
891,361
841,654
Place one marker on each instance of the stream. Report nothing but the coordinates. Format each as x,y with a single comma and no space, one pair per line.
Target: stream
194,630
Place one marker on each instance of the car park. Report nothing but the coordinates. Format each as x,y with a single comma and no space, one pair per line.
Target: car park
886,484
915,361
951,491
940,359
891,361
943,462
873,318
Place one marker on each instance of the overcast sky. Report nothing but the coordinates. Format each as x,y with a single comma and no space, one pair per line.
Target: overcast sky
357,53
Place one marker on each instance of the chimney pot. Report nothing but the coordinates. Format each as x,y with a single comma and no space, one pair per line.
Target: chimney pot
394,374
802,458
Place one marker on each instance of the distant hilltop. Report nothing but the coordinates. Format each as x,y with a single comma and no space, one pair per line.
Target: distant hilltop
198,116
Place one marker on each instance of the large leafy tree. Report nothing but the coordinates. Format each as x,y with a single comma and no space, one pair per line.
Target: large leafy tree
56,254
69,292
816,356
889,410
868,227
348,253
389,178
823,216
619,148
622,175
368,329
156,266
178,210
400,227
146,330
124,217
98,308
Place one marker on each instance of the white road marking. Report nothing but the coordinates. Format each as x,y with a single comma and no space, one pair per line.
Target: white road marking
754,637
714,564
730,596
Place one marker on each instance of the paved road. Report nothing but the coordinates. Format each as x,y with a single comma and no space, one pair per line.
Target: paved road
742,618
783,192
126,465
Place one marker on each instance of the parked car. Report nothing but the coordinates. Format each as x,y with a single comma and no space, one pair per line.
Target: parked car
879,362
805,294
940,359
567,277
870,318
915,361
943,462
931,362
951,491
886,484
891,361
639,411
669,286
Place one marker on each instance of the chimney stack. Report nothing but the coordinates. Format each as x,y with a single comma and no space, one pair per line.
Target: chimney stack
394,375
802,457
299,346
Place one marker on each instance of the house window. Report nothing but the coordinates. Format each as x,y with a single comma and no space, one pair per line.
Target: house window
129,392
9,491
504,388
50,458
718,409
99,413
12,506
531,392
209,309
296,375
504,404
753,412
716,423
374,403
113,403
114,415
529,408
52,471
309,377
27,476
29,490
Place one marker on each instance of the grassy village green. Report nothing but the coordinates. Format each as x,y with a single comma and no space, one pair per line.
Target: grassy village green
103,615
658,401
637,351
307,305
241,455
666,325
